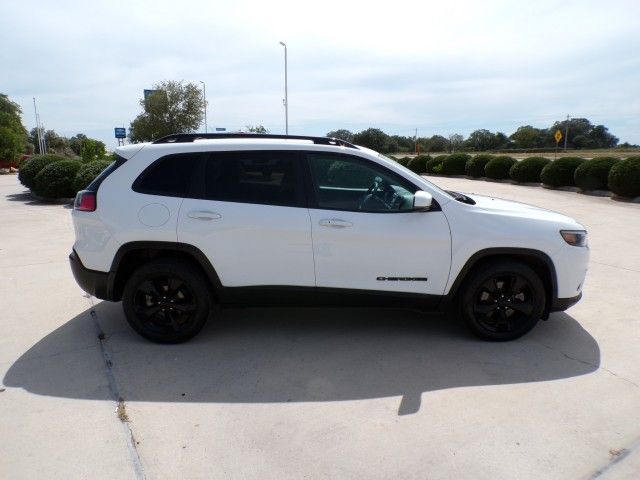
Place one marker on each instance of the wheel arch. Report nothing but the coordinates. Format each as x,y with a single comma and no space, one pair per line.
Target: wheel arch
539,261
132,255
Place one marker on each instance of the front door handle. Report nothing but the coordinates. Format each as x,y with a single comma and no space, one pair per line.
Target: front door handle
203,215
335,223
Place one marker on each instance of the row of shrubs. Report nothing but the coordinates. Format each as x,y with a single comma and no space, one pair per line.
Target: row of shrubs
55,176
622,177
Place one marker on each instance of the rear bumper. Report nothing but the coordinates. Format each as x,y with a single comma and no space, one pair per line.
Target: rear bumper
561,304
91,281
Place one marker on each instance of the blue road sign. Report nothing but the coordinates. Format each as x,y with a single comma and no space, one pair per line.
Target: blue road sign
221,129
121,132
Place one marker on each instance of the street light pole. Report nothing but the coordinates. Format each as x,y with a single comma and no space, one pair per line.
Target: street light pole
204,96
286,96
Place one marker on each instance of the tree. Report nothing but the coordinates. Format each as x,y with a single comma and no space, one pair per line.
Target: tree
482,140
373,138
55,142
583,134
75,143
437,143
91,150
256,129
341,134
529,137
456,142
13,135
173,108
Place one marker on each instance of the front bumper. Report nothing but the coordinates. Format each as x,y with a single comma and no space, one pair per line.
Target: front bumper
561,304
91,281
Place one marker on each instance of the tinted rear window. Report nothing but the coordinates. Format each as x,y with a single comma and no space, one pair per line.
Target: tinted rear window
264,177
170,176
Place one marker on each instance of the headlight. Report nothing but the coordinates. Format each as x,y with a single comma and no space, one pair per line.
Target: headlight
577,238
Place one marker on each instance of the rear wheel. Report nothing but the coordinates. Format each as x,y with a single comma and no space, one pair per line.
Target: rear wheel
502,300
166,301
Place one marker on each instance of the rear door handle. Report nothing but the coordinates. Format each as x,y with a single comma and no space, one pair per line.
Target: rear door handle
335,223
203,215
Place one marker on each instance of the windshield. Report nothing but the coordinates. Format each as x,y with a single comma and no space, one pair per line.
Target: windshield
415,176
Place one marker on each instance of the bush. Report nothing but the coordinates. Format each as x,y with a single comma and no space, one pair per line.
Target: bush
418,164
498,167
435,164
31,168
88,172
624,177
559,173
56,179
528,170
454,164
475,166
594,174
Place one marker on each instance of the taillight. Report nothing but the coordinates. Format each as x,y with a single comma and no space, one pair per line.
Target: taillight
85,201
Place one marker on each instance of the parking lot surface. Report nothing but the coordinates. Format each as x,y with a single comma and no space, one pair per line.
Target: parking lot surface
316,393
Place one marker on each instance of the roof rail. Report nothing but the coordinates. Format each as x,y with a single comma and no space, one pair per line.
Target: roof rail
190,137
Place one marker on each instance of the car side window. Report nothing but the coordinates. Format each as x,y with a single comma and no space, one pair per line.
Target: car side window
169,176
343,182
261,177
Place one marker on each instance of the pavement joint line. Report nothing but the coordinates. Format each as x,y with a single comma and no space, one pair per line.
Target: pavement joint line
615,266
32,264
597,366
624,454
115,391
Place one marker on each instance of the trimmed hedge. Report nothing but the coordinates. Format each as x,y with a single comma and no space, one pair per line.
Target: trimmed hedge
403,160
88,172
435,164
624,177
454,164
559,173
475,166
594,174
56,179
418,164
528,170
33,166
498,168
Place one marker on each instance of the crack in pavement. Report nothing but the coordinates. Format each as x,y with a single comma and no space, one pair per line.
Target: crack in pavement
584,362
115,391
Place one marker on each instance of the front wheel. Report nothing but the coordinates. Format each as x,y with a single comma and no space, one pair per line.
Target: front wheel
502,300
166,301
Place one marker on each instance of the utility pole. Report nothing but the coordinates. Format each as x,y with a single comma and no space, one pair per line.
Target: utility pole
204,97
566,134
415,142
286,96
42,148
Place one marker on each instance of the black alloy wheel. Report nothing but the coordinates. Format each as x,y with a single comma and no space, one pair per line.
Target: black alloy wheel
503,301
166,301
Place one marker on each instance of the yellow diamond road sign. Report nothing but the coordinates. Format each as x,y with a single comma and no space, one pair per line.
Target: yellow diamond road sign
558,136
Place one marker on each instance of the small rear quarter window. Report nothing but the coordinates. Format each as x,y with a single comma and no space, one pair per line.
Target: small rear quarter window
170,176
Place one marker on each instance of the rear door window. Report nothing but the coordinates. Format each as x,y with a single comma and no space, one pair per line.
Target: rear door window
260,177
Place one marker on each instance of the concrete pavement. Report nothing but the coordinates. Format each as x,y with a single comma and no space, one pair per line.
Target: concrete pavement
317,393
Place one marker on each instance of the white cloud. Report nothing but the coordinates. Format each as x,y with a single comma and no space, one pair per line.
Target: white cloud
440,66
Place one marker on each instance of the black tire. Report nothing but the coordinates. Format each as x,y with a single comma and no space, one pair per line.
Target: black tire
167,301
502,300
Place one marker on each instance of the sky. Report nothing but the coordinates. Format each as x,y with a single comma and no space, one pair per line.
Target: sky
442,67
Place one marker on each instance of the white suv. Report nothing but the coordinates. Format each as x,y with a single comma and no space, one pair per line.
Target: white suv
190,221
